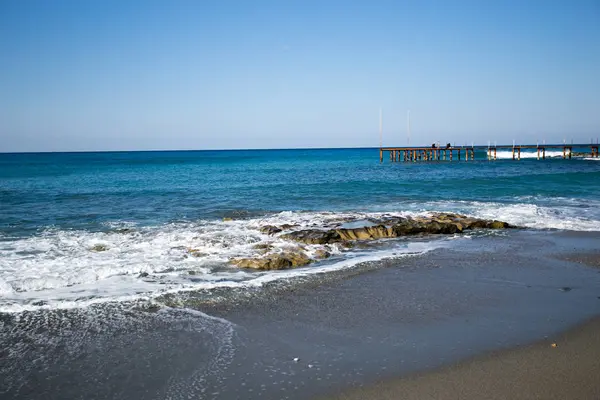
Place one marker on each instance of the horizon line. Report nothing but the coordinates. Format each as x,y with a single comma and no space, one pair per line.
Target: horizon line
286,148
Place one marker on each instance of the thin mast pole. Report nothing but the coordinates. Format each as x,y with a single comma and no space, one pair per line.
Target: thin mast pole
380,128
408,125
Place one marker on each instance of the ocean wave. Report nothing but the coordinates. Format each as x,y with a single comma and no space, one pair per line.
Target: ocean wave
557,213
71,268
74,268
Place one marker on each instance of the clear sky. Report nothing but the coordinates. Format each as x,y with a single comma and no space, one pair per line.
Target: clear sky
210,74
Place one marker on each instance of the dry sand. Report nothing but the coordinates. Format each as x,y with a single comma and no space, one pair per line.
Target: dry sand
571,370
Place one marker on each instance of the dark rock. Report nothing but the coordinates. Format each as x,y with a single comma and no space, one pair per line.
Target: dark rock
99,247
388,220
445,227
322,254
143,275
260,246
439,224
386,227
287,227
408,228
473,223
366,233
274,261
269,229
497,225
313,236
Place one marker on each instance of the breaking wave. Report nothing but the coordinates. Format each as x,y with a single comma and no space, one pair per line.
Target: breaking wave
70,268
73,268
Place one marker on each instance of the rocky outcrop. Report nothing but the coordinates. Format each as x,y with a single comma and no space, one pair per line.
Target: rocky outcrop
382,228
497,225
365,233
313,236
395,227
274,261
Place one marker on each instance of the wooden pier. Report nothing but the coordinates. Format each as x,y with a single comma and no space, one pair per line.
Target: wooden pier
451,153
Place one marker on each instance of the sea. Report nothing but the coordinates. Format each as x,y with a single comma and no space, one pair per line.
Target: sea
116,274
147,210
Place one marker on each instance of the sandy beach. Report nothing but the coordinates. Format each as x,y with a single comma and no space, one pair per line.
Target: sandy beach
561,366
565,366
350,334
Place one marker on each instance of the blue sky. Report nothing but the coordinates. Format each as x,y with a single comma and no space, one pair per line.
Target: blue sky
129,75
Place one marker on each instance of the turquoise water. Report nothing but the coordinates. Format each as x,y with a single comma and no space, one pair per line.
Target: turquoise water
88,190
143,206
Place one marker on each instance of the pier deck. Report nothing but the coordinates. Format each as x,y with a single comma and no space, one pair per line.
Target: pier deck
450,153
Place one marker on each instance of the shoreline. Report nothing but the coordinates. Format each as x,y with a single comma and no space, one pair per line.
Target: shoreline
563,366
317,336
489,295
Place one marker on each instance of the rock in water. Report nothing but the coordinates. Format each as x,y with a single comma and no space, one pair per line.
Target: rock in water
438,224
269,229
385,227
274,261
497,225
99,247
313,236
322,254
287,227
366,233
473,223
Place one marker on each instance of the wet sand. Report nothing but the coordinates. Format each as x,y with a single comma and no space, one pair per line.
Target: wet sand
416,314
566,366
561,366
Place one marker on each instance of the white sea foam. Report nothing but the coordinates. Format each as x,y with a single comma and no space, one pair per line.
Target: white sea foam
64,269
48,339
557,213
5,289
59,268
